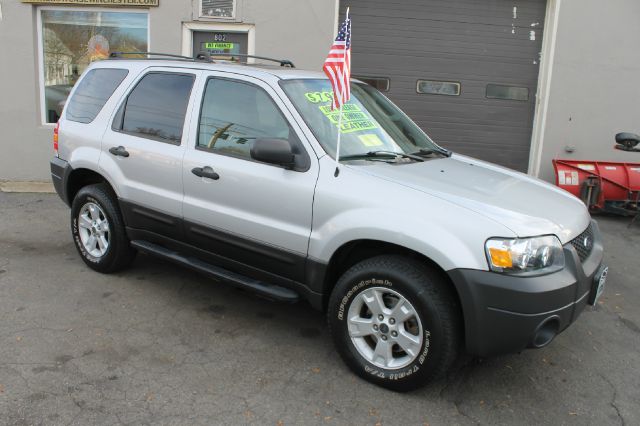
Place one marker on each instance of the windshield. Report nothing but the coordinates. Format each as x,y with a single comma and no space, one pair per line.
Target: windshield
370,122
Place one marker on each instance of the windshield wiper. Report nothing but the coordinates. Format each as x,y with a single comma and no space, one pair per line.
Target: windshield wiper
425,152
381,154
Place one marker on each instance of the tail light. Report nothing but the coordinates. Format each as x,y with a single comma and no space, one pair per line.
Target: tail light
55,138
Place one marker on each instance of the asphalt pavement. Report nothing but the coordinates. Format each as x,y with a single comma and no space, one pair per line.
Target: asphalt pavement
159,344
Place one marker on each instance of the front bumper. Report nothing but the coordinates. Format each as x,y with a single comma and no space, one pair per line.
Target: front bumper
505,314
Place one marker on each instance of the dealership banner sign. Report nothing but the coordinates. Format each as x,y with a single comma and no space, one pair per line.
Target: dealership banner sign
136,3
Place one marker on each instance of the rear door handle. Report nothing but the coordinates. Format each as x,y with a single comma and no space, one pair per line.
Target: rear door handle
205,172
119,151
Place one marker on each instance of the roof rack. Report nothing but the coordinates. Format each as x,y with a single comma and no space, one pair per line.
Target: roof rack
206,56
121,55
199,57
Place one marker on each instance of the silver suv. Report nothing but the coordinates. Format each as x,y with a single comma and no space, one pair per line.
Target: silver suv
416,254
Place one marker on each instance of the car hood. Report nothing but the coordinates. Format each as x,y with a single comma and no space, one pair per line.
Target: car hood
525,205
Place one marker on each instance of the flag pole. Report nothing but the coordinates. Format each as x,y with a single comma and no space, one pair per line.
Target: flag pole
337,172
342,95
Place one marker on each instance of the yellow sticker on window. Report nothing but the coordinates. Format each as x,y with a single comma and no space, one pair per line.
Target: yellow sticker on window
370,140
218,45
316,97
353,118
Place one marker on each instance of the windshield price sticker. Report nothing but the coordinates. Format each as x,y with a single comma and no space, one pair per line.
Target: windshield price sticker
353,118
353,115
315,97
370,139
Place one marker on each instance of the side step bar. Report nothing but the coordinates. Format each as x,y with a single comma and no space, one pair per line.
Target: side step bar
261,288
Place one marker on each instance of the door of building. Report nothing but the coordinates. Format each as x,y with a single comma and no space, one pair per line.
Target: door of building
219,43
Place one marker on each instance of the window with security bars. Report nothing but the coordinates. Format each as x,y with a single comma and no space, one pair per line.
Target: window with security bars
217,8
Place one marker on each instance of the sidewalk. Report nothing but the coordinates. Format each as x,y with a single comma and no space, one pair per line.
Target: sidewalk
26,186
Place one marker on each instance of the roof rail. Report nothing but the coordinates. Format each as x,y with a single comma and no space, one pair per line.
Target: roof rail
206,56
121,55
201,56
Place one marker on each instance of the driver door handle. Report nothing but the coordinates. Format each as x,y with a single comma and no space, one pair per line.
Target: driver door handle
119,151
205,172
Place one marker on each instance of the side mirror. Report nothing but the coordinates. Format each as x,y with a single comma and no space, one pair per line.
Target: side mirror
273,151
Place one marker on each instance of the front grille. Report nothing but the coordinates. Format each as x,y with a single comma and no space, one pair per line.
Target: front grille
583,243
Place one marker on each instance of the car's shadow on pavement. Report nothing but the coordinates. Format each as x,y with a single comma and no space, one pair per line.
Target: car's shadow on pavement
219,307
219,303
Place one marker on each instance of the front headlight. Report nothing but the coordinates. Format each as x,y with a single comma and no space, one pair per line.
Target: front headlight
525,256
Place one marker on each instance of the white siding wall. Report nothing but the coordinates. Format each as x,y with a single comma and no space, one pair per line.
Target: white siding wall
595,83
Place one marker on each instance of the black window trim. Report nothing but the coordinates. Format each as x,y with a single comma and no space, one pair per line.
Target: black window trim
388,79
302,160
507,99
458,83
66,113
119,116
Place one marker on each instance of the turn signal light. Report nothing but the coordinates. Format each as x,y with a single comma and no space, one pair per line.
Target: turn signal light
500,258
55,138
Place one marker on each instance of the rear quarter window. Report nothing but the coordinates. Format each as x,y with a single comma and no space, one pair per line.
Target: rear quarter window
93,91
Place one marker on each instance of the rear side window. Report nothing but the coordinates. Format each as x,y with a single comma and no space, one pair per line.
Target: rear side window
93,92
156,107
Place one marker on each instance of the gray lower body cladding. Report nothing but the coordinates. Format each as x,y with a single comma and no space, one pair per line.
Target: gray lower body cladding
504,314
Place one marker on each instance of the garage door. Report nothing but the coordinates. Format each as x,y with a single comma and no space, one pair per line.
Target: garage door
465,70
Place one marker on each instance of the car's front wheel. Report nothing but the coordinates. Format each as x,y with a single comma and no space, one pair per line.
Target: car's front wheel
395,321
98,230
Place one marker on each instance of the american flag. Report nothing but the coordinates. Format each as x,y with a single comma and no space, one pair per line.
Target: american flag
337,66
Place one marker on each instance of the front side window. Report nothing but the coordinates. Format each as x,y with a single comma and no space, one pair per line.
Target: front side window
93,92
72,39
234,114
370,122
156,107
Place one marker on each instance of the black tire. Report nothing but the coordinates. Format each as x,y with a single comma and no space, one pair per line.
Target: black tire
433,301
119,253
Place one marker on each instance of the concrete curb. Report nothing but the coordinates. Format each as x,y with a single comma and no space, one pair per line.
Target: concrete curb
26,186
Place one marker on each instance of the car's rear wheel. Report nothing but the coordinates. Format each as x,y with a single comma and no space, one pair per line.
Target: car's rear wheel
98,230
395,321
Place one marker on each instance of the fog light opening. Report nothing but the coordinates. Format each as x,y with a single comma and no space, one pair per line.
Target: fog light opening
546,332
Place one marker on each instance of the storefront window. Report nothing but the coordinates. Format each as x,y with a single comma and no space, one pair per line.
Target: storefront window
217,8
72,39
